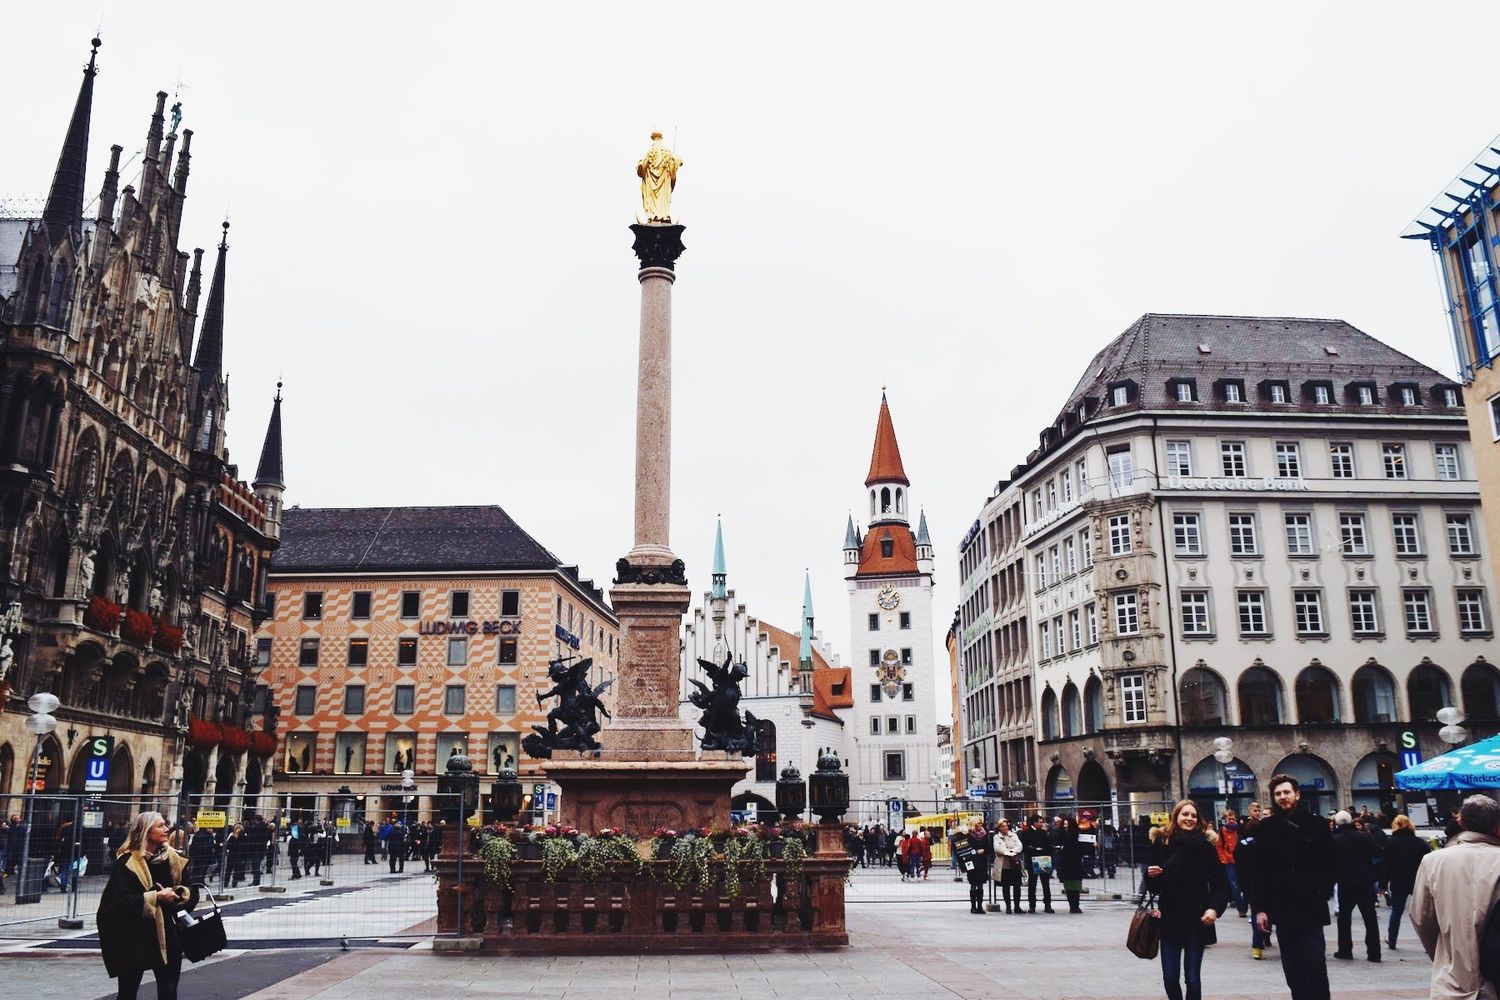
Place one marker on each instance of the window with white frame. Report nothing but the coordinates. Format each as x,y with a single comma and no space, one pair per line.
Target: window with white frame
1119,395
1194,607
1341,459
1232,459
1408,538
1309,608
1460,534
1364,611
1416,602
1081,469
1119,535
1044,640
1299,540
1086,548
1352,537
1091,619
875,725
1057,635
1127,615
1041,571
1070,555
1056,563
1278,392
1036,499
1242,540
1252,609
1472,618
1066,477
1366,395
1183,391
1052,494
1450,397
1321,395
1121,469
1187,534
458,650
1393,457
1288,460
1408,396
1445,458
1179,458
1133,698
1233,393
1495,418
1075,629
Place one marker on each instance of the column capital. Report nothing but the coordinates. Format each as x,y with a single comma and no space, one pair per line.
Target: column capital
657,246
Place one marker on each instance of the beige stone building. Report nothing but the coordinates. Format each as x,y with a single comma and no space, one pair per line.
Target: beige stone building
400,636
1260,528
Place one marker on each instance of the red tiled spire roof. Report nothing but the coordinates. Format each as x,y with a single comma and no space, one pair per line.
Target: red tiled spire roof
885,460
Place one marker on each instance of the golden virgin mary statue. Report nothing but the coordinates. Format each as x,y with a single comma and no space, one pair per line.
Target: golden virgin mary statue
658,173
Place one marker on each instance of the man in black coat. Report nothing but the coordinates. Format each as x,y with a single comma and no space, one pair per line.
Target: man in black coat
1294,872
1354,861
1038,844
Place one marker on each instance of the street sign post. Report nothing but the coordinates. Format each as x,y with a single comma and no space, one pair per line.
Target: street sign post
1411,750
96,771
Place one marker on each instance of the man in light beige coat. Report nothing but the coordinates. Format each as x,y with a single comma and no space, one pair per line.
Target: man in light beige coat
1455,891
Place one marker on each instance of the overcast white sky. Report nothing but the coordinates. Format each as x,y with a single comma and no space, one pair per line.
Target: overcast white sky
961,202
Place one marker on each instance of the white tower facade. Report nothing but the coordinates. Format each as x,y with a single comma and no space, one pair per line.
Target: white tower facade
894,685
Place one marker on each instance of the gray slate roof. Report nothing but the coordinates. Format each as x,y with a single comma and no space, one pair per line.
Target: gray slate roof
406,539
1161,346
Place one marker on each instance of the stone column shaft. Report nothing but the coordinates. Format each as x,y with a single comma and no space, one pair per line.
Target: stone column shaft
653,421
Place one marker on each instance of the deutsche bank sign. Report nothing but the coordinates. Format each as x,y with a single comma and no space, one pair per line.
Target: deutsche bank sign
96,771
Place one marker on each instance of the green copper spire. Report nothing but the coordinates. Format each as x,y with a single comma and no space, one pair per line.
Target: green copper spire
720,574
851,537
922,538
804,653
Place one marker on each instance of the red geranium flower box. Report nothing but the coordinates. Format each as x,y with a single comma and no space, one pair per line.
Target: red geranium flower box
168,637
262,742
202,733
235,739
137,627
101,615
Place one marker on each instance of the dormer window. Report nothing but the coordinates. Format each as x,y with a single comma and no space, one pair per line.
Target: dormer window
1364,395
1408,396
1233,393
1322,393
1183,390
887,548
1276,392
1450,397
1119,396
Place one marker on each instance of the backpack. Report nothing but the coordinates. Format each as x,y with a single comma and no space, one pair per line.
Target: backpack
1489,947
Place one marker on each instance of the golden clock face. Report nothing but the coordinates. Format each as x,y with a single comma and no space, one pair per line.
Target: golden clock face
889,597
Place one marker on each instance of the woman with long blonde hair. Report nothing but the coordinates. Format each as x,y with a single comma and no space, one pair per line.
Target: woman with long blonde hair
1192,890
136,918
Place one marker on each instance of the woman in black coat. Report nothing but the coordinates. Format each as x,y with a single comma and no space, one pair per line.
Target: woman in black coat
136,918
1068,862
1189,882
1404,851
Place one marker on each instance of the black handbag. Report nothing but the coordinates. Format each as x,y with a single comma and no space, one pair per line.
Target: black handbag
1144,937
201,935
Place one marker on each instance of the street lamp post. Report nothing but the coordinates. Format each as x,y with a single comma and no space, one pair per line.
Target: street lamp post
1453,733
40,723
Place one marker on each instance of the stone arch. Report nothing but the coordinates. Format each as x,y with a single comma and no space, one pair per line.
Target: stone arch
1428,689
103,583
1318,696
85,480
765,810
141,572
900,501
1202,698
148,778
1260,697
1093,707
885,500
83,676
121,771
1050,723
194,771
1373,781
1480,685
1374,694
253,774
1093,782
1215,787
225,775
117,687
58,564
78,769
148,700
873,509
7,768
1072,711
1059,785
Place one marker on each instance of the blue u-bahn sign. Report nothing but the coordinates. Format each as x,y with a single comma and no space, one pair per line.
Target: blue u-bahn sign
96,769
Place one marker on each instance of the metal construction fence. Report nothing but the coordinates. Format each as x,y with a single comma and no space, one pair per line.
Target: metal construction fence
282,875
1113,845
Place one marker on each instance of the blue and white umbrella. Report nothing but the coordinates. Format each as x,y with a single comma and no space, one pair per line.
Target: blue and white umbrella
1472,768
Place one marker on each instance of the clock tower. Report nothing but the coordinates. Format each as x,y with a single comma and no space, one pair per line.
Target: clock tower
889,575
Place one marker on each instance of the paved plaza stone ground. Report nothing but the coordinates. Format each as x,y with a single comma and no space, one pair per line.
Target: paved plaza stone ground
919,950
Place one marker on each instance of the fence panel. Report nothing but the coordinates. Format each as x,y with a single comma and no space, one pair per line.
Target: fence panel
1113,844
284,876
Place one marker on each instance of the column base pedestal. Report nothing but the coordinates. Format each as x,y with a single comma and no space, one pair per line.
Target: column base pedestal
640,796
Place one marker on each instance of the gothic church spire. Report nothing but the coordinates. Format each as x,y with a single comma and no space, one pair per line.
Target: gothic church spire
64,211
